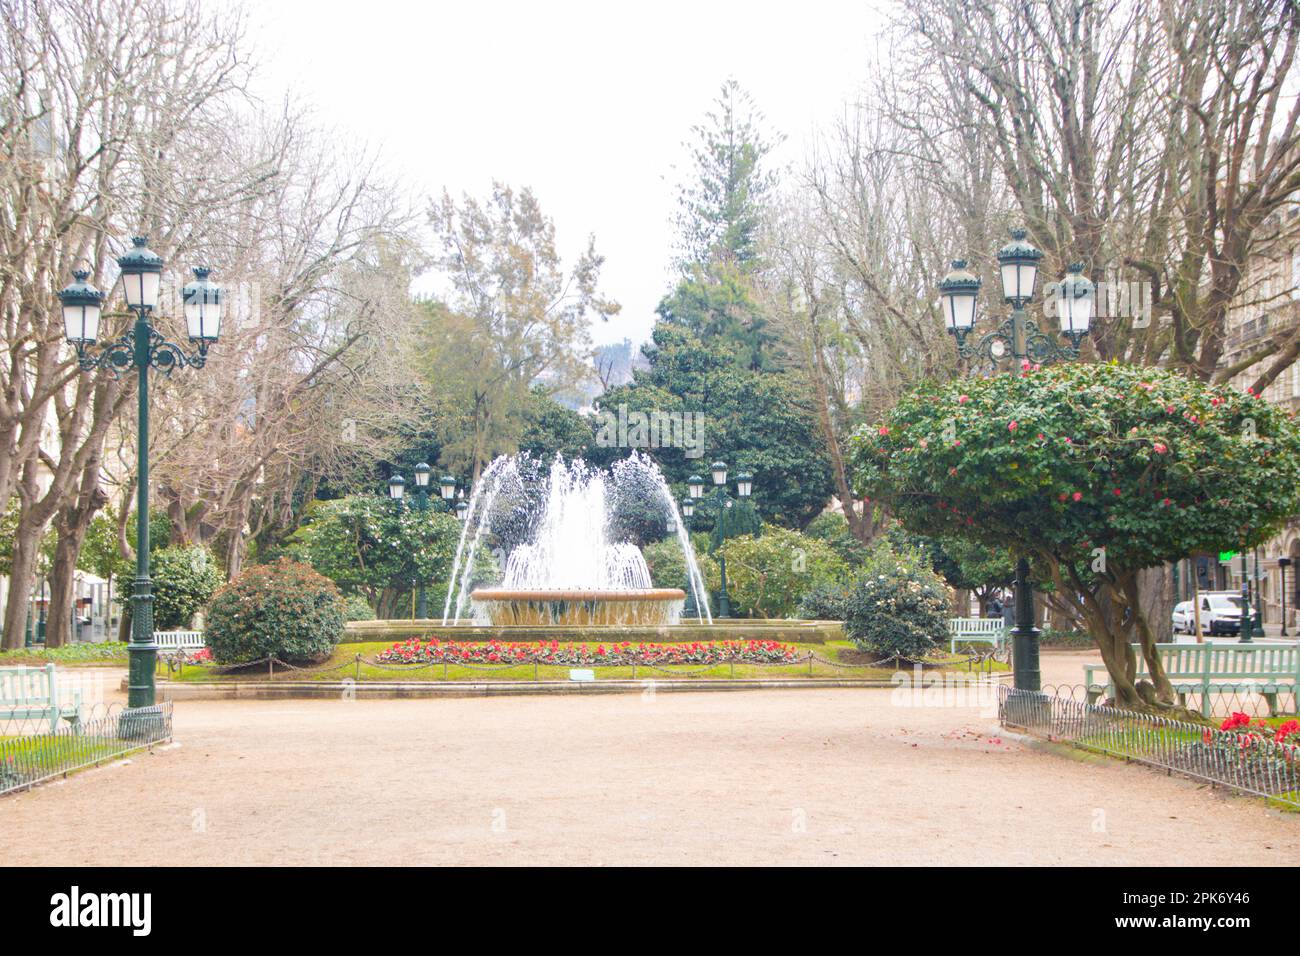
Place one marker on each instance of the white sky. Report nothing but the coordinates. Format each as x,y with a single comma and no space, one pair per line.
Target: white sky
587,103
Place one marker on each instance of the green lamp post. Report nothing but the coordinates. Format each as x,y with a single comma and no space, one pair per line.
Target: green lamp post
729,520
141,348
690,608
1018,338
422,503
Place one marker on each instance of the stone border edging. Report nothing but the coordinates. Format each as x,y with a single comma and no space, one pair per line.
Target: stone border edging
377,690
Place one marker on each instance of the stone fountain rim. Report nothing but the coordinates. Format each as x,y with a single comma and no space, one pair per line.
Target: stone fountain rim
563,594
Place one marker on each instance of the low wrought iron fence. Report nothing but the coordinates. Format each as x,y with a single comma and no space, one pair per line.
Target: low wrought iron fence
31,753
1250,762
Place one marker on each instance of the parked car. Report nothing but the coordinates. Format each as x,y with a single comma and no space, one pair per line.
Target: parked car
1220,614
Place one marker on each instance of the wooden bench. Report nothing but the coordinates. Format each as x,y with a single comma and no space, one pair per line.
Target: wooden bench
1267,669
34,692
983,630
178,640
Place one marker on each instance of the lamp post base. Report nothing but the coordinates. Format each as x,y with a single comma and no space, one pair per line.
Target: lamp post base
1024,659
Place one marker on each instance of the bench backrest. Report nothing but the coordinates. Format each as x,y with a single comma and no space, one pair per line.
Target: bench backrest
1226,660
173,640
27,686
975,625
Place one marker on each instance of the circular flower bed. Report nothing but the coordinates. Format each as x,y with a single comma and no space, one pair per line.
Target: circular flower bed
415,651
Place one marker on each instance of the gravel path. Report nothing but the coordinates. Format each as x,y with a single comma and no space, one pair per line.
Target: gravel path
826,776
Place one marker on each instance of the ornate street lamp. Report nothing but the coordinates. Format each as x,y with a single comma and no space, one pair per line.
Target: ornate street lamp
690,608
1020,339
421,503
726,524
141,347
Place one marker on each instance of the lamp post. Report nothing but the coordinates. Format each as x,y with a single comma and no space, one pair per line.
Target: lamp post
1258,630
1245,628
726,524
690,608
1282,564
1019,338
422,503
141,348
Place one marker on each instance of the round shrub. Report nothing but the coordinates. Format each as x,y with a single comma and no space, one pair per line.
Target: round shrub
668,565
825,602
357,608
284,610
184,580
897,605
767,575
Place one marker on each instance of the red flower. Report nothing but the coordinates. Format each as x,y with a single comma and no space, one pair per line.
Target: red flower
1077,496
963,399
1013,426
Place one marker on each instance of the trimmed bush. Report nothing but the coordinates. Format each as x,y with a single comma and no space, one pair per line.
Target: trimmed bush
897,605
184,580
285,610
668,565
767,575
357,608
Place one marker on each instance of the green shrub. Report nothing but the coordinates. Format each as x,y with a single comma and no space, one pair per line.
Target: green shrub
833,528
357,608
184,580
668,565
897,605
767,575
285,610
825,602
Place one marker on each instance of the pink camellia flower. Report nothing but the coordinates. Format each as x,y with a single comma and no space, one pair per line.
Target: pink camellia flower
884,430
1118,492
1160,448
1077,496
1013,426
963,399
1068,440
1169,409
1166,502
1024,365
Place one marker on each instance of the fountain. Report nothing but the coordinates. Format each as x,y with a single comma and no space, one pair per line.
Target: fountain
557,530
547,553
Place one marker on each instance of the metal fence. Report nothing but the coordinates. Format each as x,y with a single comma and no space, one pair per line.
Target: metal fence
1242,698
1248,762
30,753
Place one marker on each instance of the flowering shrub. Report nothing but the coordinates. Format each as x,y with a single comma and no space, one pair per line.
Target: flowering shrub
284,610
1286,733
415,651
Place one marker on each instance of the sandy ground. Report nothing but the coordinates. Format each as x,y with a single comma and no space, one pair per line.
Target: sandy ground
796,777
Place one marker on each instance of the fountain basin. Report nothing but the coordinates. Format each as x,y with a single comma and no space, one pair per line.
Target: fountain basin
579,607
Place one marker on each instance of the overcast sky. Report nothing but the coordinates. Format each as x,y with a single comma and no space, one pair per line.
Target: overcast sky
587,103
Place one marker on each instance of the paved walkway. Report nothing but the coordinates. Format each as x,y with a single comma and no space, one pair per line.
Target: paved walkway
825,776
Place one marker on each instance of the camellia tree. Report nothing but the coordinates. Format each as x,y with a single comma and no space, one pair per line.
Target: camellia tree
366,545
1094,472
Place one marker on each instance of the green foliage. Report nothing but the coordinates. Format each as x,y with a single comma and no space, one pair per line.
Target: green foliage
895,606
550,428
99,552
963,562
767,575
366,543
722,204
833,528
668,565
285,610
1146,464
716,304
184,580
357,608
760,421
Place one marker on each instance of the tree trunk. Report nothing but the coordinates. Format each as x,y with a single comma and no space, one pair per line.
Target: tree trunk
961,603
1156,590
71,525
22,575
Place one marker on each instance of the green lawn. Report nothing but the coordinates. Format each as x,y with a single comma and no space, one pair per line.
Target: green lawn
343,664
112,652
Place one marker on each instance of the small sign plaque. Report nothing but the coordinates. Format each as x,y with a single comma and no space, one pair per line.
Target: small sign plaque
580,674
